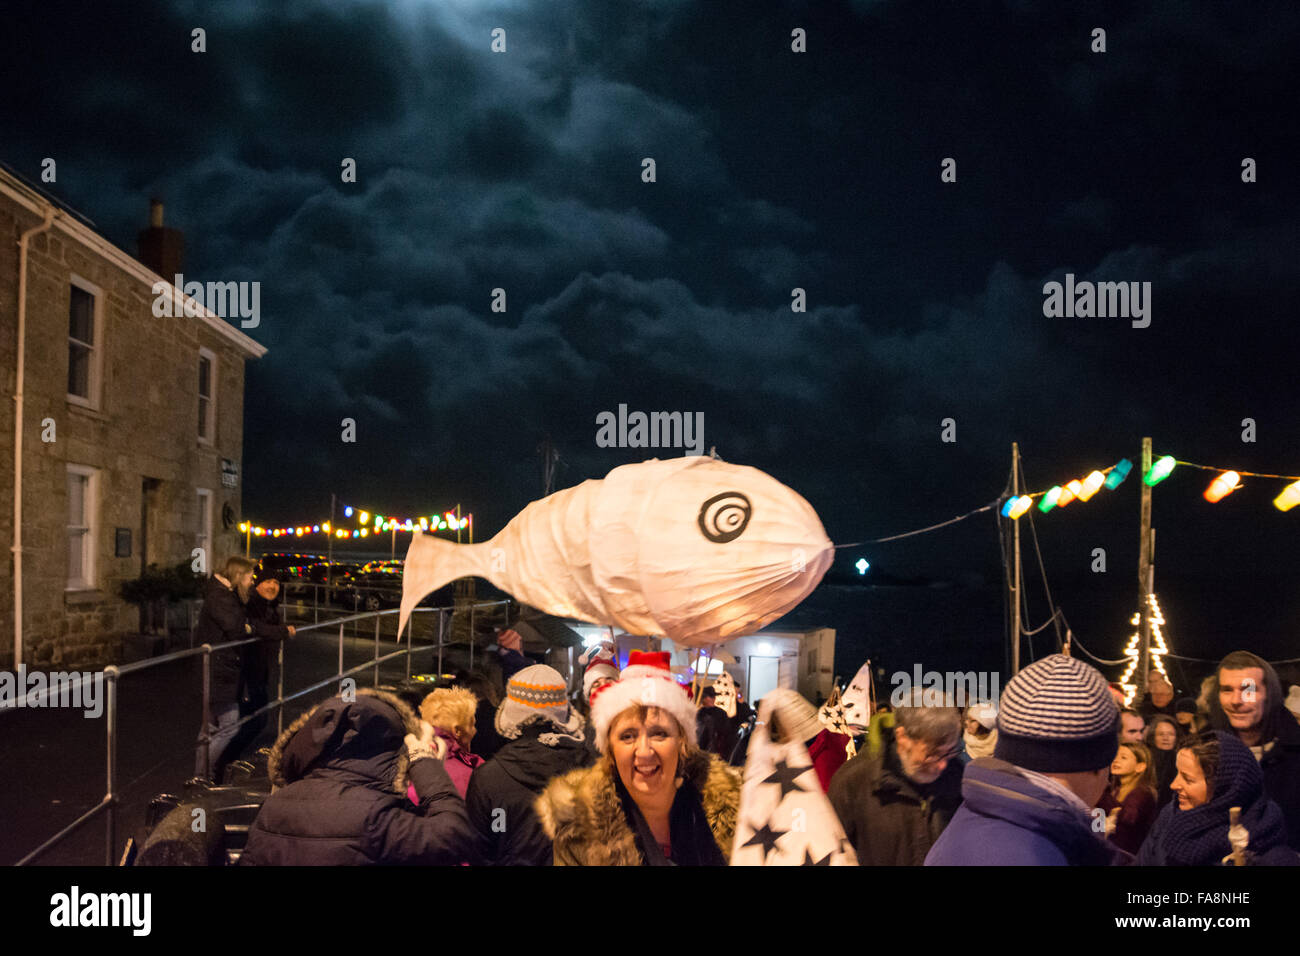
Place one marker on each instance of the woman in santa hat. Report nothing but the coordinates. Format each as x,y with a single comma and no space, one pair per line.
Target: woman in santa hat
654,798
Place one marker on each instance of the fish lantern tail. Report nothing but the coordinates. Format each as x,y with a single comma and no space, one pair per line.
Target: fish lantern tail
430,563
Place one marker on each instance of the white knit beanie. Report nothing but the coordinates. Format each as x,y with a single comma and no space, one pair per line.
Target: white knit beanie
535,693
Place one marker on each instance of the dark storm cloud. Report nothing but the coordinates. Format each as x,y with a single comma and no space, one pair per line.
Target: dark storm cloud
523,172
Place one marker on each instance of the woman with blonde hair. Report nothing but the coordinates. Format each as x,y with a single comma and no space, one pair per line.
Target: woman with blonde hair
1130,801
450,712
653,798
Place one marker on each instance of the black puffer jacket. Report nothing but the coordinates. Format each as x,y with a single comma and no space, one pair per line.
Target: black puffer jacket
1281,766
511,782
885,816
339,777
222,620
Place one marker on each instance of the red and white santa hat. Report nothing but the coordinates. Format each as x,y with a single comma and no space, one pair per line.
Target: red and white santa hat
648,681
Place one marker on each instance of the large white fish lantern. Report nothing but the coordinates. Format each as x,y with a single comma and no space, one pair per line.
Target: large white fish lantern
692,549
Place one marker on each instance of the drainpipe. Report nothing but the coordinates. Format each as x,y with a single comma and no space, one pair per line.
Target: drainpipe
18,434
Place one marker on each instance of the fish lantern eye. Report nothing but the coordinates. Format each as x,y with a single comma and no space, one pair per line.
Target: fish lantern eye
724,517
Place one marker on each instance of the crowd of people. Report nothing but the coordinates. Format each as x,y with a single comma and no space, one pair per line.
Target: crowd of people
634,769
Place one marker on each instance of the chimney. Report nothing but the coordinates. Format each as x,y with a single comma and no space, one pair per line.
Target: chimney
161,249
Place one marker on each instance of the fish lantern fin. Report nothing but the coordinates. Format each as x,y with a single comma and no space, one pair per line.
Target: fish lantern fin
430,563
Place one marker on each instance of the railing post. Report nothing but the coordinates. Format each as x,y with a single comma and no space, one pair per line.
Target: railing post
471,635
375,682
441,623
110,843
205,742
279,695
410,626
340,670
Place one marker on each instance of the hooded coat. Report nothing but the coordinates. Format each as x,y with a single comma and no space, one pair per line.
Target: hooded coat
511,782
887,818
1006,819
339,776
583,814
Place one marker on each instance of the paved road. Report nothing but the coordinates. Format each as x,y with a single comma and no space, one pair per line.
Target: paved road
53,762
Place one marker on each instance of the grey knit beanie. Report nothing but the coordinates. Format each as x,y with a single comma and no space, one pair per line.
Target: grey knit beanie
1057,716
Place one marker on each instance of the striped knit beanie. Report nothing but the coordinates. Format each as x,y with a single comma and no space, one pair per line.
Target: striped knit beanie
1057,716
535,693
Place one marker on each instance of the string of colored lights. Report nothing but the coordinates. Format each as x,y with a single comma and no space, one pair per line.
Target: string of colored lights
369,522
1223,484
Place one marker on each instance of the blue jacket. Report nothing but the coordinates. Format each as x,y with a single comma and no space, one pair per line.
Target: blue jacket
1007,820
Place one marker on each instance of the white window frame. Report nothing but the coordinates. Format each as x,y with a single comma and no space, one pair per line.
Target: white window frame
96,347
90,540
203,535
209,420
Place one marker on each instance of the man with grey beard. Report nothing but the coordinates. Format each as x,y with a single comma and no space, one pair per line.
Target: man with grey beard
224,618
894,806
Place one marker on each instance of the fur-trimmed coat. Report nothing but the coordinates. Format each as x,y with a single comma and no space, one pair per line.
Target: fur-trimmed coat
338,798
583,816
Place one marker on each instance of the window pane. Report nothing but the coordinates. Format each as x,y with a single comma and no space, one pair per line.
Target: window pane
205,376
75,549
78,370
203,417
81,317
76,500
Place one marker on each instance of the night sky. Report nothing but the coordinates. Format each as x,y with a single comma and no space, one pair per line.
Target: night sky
775,170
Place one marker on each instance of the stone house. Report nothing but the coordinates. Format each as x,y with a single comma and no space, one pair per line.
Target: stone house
131,429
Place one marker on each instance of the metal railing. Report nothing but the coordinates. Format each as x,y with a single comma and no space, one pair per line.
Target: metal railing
111,674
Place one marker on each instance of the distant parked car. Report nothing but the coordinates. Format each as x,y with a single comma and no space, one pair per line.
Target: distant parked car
371,590
285,565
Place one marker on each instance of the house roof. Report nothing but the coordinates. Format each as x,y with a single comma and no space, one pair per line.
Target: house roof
81,229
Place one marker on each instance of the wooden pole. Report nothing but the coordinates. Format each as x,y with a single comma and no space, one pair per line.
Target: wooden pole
1015,587
329,552
1145,538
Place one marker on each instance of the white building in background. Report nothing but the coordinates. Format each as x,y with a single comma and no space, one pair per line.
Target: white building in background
800,659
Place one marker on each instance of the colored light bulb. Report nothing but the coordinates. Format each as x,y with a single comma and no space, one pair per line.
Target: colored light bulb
1118,474
1160,470
1092,484
1050,499
1222,486
1289,498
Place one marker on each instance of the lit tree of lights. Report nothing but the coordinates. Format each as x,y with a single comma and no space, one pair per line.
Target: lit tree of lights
1158,649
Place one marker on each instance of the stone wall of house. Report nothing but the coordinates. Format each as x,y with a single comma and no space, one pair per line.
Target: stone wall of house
145,426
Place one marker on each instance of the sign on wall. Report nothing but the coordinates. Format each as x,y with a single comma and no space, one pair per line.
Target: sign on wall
229,473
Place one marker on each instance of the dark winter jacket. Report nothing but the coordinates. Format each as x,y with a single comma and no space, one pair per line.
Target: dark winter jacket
1166,765
584,816
713,731
1148,709
1136,814
1006,819
510,783
256,660
890,820
1281,766
222,620
339,776
487,741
